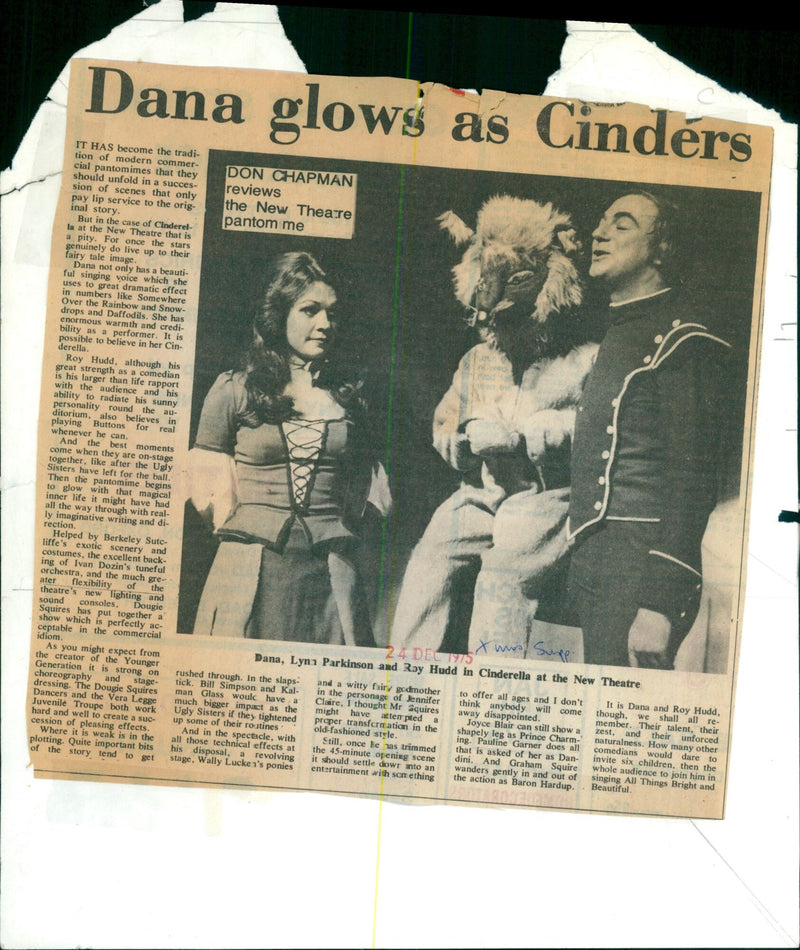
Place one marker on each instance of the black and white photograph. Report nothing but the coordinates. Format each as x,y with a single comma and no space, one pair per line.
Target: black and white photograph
504,417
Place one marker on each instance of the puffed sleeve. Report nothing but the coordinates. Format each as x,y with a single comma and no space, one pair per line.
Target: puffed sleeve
216,431
211,470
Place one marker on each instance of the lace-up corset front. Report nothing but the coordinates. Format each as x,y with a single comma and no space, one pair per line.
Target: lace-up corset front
298,469
305,439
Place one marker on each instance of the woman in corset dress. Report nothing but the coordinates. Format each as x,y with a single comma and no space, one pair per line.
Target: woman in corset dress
288,432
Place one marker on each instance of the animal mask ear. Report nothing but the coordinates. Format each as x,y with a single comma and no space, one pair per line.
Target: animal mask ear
458,231
566,237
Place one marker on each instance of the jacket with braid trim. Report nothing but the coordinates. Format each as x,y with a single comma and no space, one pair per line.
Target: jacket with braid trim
646,440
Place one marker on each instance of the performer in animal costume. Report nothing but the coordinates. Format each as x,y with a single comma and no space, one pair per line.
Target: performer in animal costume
505,424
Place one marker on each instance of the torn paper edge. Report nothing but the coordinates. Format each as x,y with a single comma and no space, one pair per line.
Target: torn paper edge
591,50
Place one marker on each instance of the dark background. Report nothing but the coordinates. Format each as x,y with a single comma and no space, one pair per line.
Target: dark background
401,322
504,51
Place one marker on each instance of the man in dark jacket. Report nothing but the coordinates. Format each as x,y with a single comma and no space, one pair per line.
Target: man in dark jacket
644,456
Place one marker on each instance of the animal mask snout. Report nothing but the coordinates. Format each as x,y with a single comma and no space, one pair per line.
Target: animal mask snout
512,297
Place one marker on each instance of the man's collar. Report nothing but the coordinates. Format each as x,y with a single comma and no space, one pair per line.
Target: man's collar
624,303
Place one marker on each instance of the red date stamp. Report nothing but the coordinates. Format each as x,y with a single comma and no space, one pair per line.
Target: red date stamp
418,653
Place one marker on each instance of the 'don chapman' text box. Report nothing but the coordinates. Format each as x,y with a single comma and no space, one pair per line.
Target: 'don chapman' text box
289,200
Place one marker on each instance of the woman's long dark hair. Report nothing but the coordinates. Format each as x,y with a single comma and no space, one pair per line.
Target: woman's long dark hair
266,362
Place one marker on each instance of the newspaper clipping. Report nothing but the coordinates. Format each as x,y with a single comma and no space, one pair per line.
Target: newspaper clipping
445,401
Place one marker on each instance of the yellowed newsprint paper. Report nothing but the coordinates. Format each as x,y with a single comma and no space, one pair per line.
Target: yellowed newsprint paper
395,441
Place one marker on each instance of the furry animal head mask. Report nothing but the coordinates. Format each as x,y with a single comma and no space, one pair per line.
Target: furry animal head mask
518,270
